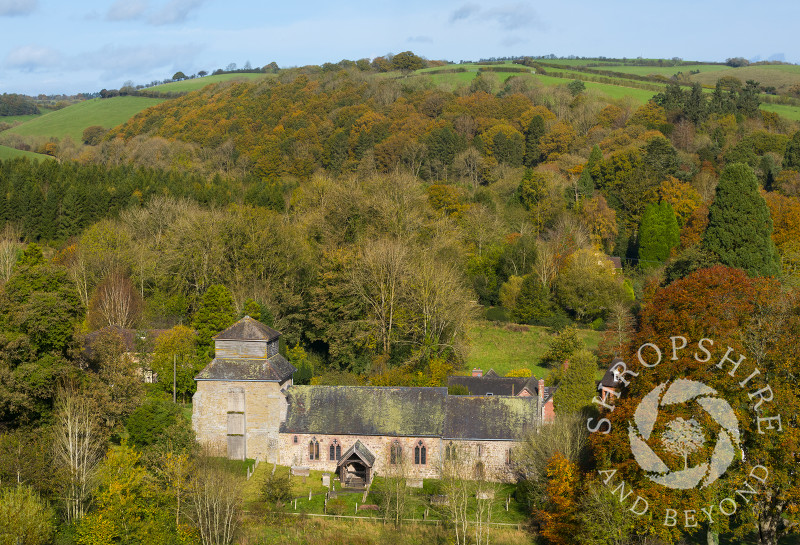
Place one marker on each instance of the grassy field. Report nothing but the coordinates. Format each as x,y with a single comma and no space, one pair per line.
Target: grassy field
198,83
11,119
72,120
789,112
664,70
507,347
781,76
9,153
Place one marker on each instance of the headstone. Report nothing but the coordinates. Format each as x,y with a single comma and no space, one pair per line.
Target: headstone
414,483
485,495
326,480
300,471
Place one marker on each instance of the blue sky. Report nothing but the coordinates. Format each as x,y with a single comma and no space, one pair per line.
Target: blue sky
58,46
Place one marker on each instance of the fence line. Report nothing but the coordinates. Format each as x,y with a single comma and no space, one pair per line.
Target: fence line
518,525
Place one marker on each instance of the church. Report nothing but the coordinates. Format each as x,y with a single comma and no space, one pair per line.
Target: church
247,405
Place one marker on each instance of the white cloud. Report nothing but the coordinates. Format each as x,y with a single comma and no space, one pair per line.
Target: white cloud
464,12
126,10
30,58
507,16
176,11
17,7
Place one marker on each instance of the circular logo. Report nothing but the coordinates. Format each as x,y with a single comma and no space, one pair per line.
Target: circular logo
683,437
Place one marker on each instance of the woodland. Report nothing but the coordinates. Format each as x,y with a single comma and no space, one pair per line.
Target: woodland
372,220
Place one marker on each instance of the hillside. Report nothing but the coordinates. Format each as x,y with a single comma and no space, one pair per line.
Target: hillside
195,84
72,120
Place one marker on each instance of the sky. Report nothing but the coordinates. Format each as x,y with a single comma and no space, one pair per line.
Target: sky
68,47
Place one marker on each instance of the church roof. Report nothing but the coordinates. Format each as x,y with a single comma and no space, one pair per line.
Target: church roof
248,329
365,410
406,412
490,417
275,369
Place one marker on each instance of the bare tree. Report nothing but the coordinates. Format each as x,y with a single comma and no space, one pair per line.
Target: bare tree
115,302
78,448
395,495
215,503
377,279
10,247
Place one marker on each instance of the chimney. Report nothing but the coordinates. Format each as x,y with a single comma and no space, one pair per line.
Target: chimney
541,391
477,372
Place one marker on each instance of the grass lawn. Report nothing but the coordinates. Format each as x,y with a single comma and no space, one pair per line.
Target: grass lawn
501,348
9,153
198,83
72,120
11,119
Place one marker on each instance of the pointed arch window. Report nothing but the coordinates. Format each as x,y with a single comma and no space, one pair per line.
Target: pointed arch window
395,453
420,454
313,449
335,451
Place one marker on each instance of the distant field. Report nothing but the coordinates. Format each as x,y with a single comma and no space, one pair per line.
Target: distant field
11,119
781,76
10,153
72,120
789,112
666,70
198,83
496,347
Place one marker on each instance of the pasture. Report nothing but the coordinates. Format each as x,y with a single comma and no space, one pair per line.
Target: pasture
504,347
72,120
196,84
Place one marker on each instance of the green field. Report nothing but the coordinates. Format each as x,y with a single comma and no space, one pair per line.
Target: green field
72,120
11,119
10,153
781,76
188,85
502,348
665,70
785,110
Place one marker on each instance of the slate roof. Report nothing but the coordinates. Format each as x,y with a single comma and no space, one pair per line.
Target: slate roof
361,451
275,369
133,339
609,379
248,329
365,410
406,412
495,385
490,417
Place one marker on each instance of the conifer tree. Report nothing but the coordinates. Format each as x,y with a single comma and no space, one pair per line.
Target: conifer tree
535,130
658,234
791,157
739,224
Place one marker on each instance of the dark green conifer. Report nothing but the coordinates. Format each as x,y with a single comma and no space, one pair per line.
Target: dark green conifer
658,234
739,225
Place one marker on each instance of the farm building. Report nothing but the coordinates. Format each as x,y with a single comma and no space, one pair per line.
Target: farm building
246,403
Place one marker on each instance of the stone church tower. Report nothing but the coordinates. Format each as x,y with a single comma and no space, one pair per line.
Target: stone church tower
240,400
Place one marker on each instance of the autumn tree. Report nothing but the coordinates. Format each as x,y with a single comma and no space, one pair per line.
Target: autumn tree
25,517
558,515
739,225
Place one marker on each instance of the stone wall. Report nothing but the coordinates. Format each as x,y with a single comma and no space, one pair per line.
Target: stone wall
223,409
493,454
